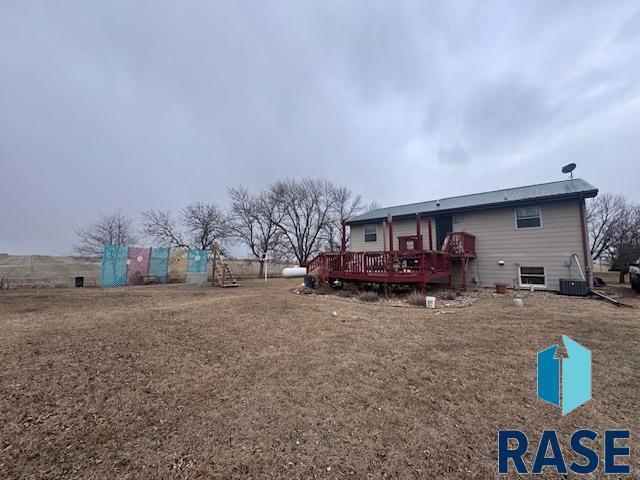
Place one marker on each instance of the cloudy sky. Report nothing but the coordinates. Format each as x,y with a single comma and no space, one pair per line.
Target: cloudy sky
137,105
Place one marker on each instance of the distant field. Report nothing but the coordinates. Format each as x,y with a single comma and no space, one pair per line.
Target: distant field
195,382
35,270
48,270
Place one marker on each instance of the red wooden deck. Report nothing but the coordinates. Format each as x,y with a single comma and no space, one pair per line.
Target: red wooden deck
398,266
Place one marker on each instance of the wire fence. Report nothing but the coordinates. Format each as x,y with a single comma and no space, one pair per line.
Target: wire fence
34,271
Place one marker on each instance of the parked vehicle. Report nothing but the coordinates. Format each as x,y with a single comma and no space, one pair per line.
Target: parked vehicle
634,274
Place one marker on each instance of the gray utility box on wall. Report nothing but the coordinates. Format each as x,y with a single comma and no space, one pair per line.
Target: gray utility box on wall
573,287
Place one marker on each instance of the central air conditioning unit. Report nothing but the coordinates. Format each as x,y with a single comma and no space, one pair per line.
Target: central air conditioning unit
573,287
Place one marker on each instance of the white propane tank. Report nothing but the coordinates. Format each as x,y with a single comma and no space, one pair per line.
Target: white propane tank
294,272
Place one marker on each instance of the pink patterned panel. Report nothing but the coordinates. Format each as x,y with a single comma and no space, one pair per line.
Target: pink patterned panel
137,264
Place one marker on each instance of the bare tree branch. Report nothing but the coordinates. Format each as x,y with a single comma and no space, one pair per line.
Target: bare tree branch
614,231
159,226
344,204
114,229
252,222
206,226
201,225
371,206
606,216
301,213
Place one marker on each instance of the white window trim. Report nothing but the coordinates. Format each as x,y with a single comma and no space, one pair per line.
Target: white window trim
529,285
515,218
364,233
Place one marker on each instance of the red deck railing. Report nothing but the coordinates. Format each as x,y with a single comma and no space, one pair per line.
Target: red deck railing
396,266
460,244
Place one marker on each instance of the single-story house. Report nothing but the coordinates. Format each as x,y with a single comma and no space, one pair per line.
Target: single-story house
525,237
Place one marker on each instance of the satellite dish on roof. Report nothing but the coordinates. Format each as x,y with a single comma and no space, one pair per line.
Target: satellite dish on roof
569,168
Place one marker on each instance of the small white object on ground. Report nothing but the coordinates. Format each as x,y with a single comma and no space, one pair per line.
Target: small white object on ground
518,302
430,302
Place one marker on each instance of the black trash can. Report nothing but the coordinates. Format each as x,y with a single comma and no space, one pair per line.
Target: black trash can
79,282
310,281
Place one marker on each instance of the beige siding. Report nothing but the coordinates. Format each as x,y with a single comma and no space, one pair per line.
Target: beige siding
357,239
401,228
498,239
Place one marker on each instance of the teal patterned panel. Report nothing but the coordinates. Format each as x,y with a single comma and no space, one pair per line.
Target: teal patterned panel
114,266
159,264
197,261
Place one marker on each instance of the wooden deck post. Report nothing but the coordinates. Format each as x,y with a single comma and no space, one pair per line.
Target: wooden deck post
389,266
343,247
430,239
418,233
465,264
213,268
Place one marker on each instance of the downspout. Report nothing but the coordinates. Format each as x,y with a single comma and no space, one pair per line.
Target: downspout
390,225
585,244
418,233
384,236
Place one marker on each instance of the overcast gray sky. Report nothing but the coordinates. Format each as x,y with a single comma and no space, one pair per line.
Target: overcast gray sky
138,104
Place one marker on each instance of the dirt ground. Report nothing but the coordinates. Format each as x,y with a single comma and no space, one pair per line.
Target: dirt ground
178,381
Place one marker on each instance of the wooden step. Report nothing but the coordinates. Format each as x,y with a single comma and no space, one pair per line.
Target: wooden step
224,277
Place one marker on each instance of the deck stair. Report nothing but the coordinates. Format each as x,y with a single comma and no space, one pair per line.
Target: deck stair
222,275
460,247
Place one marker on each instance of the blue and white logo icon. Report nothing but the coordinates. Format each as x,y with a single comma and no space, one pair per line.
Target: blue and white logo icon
565,382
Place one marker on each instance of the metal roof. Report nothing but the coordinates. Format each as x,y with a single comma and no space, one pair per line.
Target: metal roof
542,191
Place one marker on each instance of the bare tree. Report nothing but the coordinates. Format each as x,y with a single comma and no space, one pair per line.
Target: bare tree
604,214
201,225
114,229
371,206
626,246
159,226
302,210
253,221
344,204
206,225
614,231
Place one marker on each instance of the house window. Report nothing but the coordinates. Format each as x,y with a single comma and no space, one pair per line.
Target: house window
528,217
533,276
370,233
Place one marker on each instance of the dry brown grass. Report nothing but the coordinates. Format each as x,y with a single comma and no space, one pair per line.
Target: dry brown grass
173,381
417,299
368,297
